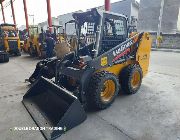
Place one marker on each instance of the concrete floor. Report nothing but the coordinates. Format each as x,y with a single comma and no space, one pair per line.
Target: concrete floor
152,114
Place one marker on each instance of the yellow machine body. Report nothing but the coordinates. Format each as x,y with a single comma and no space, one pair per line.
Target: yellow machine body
142,57
33,41
6,42
94,74
11,44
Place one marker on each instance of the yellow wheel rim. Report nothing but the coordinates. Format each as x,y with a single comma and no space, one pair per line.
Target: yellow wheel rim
135,81
108,91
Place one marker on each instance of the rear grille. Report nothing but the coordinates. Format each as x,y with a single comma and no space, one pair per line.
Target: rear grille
13,44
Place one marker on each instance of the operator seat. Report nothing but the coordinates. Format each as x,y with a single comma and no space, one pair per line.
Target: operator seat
73,44
62,48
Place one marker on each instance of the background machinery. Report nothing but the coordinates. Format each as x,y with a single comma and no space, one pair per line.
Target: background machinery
35,45
106,61
34,41
22,38
9,42
58,33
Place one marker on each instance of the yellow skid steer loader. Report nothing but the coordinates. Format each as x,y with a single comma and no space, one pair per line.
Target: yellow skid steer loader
106,60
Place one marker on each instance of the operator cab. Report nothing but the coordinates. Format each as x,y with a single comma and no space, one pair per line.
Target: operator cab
99,31
114,31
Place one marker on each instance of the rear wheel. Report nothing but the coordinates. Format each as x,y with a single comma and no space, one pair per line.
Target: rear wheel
31,51
43,54
4,57
131,79
103,90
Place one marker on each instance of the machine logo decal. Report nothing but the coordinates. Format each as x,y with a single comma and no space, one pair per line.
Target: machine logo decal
104,61
122,54
144,57
122,48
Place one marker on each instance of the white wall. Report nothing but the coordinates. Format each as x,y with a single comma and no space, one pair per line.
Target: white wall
178,23
55,21
149,16
134,11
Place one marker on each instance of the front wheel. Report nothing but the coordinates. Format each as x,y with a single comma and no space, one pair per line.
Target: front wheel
18,53
103,89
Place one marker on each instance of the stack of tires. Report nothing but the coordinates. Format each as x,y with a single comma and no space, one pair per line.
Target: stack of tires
4,57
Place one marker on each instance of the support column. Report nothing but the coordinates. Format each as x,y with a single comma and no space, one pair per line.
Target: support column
13,14
2,8
49,14
107,5
158,39
26,16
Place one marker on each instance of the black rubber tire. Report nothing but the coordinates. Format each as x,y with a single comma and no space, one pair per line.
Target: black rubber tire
31,52
36,52
4,57
95,88
43,54
126,76
18,53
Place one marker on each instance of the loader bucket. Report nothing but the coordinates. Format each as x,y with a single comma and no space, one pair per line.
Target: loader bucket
54,109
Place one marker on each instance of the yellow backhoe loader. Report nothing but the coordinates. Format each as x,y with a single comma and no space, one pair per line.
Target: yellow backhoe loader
9,42
58,33
36,45
106,60
32,45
